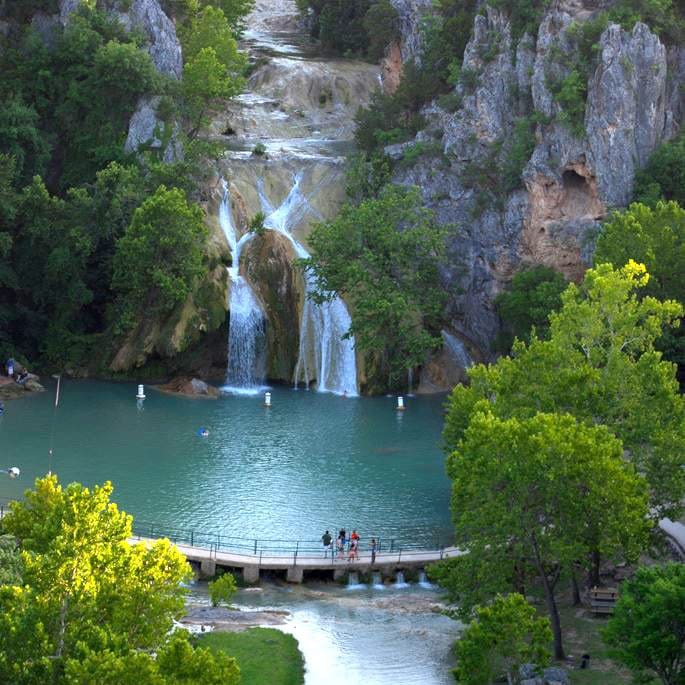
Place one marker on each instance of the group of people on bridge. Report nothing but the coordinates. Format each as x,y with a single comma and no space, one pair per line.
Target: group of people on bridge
344,544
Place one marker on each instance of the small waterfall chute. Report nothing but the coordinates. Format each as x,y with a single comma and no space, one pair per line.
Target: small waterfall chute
377,581
457,350
247,321
424,582
400,583
353,582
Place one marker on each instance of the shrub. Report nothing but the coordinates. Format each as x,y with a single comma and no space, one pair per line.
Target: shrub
222,589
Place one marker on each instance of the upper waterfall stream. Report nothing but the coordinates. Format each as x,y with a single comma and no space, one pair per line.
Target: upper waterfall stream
300,107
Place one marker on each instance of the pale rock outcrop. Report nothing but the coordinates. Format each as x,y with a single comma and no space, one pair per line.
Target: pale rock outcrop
410,14
145,130
570,182
626,108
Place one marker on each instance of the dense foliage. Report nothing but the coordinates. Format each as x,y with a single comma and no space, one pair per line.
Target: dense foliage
603,389
663,177
647,630
655,237
533,294
502,636
68,190
383,256
351,27
90,607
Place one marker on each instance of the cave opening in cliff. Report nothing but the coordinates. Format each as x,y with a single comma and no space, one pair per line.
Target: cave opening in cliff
578,194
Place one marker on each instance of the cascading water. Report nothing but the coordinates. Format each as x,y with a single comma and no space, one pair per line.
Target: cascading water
400,583
247,322
424,582
457,349
325,354
377,581
353,582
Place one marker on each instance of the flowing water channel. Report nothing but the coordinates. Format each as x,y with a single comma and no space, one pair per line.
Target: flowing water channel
299,109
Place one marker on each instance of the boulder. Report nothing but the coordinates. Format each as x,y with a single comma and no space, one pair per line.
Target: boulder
190,387
556,676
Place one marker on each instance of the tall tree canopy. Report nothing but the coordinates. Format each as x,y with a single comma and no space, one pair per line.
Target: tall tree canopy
654,236
530,499
383,256
90,607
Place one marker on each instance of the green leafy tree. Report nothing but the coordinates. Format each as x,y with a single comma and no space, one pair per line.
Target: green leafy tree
532,296
529,496
647,630
205,80
210,29
160,255
654,236
22,139
663,177
600,365
502,636
10,561
222,589
90,602
235,11
383,256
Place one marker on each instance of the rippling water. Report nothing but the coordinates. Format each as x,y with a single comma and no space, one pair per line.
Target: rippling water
367,637
313,461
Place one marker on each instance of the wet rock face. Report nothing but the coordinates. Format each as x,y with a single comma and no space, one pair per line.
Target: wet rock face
571,180
269,265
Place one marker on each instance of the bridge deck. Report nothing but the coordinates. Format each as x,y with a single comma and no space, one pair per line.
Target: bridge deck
306,561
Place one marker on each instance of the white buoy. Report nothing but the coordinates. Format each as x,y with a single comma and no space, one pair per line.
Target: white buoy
13,472
141,393
400,403
267,400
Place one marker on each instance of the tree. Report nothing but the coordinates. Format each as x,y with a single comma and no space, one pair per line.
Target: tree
599,365
530,495
160,255
222,589
533,295
654,236
235,12
663,177
205,80
383,255
502,636
209,28
91,607
647,630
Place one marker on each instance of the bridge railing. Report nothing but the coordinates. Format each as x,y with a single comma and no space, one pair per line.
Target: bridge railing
411,541
307,548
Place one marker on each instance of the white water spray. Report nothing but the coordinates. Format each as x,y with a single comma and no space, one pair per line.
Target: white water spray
247,322
325,355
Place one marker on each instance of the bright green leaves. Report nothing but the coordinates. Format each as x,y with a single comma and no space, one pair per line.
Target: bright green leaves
502,636
222,589
213,66
383,256
647,630
160,256
93,608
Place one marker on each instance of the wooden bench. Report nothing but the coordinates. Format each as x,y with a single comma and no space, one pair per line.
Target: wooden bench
603,600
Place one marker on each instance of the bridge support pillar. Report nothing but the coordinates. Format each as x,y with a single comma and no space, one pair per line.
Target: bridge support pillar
251,574
207,568
295,574
339,574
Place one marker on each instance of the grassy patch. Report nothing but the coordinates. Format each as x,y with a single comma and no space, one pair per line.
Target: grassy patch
265,655
582,636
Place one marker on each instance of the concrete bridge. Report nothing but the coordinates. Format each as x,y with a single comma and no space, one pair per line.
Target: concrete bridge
297,566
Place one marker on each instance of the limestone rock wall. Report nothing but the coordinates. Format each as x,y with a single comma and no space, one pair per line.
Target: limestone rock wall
574,176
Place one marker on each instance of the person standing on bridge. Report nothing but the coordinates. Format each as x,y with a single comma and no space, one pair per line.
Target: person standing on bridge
374,546
326,539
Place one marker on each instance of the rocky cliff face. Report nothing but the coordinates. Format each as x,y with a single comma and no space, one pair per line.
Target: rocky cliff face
577,171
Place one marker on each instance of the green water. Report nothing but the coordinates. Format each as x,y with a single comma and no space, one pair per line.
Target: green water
313,461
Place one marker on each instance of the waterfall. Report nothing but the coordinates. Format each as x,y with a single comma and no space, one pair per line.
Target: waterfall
423,581
377,581
324,355
399,581
457,349
247,322
353,582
